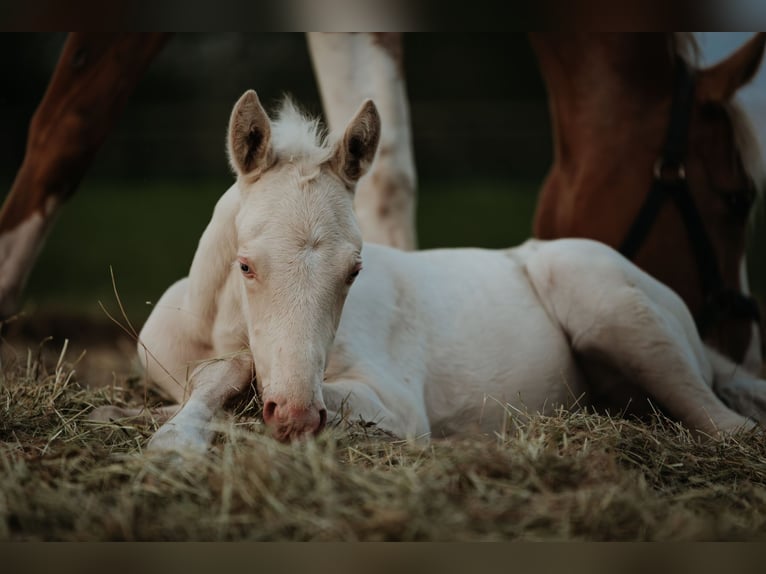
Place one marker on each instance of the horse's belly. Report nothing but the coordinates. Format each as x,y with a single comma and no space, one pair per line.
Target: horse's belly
537,381
505,359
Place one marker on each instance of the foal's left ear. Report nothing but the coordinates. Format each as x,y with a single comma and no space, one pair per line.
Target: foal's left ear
720,82
249,138
354,153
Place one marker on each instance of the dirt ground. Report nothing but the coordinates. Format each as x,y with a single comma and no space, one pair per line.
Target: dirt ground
101,352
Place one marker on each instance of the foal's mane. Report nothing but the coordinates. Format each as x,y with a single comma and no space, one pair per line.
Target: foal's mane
298,137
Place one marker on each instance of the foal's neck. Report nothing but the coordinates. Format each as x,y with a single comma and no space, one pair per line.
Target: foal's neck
608,94
213,259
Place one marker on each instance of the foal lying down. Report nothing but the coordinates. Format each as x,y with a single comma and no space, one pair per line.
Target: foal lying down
283,291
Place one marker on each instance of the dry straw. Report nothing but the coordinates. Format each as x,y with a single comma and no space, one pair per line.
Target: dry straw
572,476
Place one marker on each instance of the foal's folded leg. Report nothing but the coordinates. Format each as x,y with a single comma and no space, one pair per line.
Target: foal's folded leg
738,388
356,401
213,383
615,314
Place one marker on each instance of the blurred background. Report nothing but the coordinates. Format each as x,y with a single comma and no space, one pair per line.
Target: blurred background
481,136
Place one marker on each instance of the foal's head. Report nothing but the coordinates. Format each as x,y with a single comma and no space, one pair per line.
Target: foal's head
298,248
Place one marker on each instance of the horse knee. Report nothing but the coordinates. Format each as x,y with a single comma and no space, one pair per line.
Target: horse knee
168,343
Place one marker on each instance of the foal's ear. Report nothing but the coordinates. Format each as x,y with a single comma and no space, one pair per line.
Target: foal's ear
355,152
248,141
719,83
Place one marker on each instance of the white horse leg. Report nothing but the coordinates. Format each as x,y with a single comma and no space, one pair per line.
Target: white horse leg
738,388
615,314
350,68
213,384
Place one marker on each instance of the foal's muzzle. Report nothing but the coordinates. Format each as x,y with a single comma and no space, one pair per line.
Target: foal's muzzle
288,422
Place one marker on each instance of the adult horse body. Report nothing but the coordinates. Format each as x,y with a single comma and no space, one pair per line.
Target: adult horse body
631,113
425,343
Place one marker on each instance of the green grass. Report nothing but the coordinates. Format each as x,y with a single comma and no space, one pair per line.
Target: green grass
147,233
492,214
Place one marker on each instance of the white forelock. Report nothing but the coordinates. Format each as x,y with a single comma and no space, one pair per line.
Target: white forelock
299,137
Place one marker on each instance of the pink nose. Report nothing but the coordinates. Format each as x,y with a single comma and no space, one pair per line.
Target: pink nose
288,422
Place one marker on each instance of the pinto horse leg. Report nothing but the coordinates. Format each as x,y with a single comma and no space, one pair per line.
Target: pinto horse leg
616,315
90,85
350,68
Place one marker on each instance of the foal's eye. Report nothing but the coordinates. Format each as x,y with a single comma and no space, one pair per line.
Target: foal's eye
246,268
354,274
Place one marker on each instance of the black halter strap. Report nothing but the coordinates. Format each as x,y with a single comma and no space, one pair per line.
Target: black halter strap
670,183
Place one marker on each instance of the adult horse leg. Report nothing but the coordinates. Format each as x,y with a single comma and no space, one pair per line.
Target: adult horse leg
350,68
616,315
90,85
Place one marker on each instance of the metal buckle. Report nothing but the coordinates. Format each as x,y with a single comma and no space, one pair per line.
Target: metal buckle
668,172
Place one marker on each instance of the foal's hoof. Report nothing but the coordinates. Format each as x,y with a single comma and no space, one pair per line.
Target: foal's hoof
180,440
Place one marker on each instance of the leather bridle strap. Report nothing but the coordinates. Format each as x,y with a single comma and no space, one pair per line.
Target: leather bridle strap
670,183
669,169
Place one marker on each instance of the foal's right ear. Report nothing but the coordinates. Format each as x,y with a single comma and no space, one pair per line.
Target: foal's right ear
249,137
353,155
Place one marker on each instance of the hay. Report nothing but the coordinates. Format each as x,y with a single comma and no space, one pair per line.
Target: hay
573,476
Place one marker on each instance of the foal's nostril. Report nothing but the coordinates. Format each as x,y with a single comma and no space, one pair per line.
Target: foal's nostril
293,422
269,410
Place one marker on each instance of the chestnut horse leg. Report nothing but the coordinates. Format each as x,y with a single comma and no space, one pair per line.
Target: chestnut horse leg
350,68
90,86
